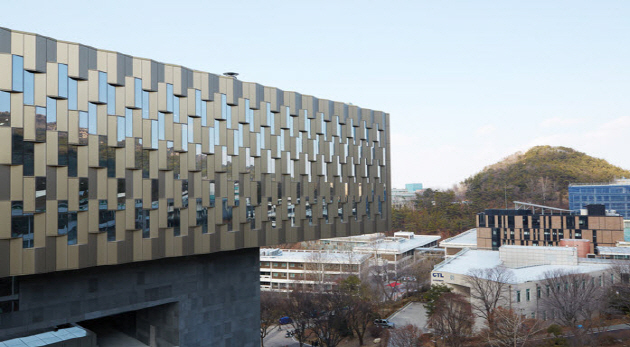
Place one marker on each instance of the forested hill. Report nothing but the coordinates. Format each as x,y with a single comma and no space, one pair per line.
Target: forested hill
541,176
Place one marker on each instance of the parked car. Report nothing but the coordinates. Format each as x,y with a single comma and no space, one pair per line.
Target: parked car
383,323
285,320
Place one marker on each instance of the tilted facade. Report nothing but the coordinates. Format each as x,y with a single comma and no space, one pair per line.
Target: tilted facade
112,159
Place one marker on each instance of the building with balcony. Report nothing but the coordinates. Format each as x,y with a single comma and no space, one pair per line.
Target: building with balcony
141,191
615,196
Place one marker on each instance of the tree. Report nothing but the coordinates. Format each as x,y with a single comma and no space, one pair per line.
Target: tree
329,322
511,329
300,307
575,300
452,319
619,292
407,336
361,308
270,303
432,295
488,290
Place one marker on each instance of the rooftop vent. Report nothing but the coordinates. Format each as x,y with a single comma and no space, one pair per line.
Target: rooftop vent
231,74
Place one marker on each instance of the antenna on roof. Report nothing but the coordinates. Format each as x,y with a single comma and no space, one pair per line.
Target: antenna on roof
231,74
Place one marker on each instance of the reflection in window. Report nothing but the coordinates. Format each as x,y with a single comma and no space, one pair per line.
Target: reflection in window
122,194
227,214
62,217
185,193
154,134
154,194
72,228
83,193
137,93
212,197
29,89
83,127
185,137
121,131
18,73
5,109
173,217
106,220
72,161
17,142
51,114
40,194
62,157
175,109
202,216
62,86
161,125
191,130
22,224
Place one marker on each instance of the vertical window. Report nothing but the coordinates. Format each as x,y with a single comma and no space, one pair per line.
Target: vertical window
184,137
111,99
29,88
72,228
202,216
102,87
145,105
217,133
154,194
5,109
175,109
204,113
161,129
191,127
29,159
51,114
198,103
538,294
22,224
137,93
212,197
120,133
72,161
62,217
128,122
83,127
169,97
73,102
122,194
40,194
62,85
527,294
83,193
106,220
63,148
18,73
154,134
518,296
92,119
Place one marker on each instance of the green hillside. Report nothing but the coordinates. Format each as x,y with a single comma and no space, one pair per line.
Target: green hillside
541,175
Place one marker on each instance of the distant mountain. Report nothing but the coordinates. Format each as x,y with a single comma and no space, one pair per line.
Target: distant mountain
541,176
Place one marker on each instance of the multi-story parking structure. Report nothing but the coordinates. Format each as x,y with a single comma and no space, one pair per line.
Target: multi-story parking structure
144,189
286,270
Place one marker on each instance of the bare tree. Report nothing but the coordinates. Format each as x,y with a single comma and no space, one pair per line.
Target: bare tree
619,291
329,323
270,303
511,329
452,319
361,308
489,290
407,336
575,300
300,307
417,276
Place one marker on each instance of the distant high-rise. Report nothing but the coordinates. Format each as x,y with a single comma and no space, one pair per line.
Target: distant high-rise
142,190
614,196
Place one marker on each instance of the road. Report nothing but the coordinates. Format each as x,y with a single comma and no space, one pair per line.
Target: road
414,313
276,338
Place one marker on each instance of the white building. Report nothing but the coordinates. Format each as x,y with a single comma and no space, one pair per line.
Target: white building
284,269
528,266
453,245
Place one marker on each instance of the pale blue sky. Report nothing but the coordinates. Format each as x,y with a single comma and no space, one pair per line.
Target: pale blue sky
466,82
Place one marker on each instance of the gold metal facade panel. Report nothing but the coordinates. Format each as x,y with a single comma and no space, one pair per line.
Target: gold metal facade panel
117,159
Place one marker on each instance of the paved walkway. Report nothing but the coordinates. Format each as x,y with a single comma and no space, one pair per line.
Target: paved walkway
413,313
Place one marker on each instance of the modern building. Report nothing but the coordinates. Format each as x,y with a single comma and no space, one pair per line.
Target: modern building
615,196
285,270
413,187
141,190
536,225
457,243
527,265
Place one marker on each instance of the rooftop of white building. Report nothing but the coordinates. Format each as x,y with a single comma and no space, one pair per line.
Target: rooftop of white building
468,260
356,238
467,238
399,244
311,256
613,250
